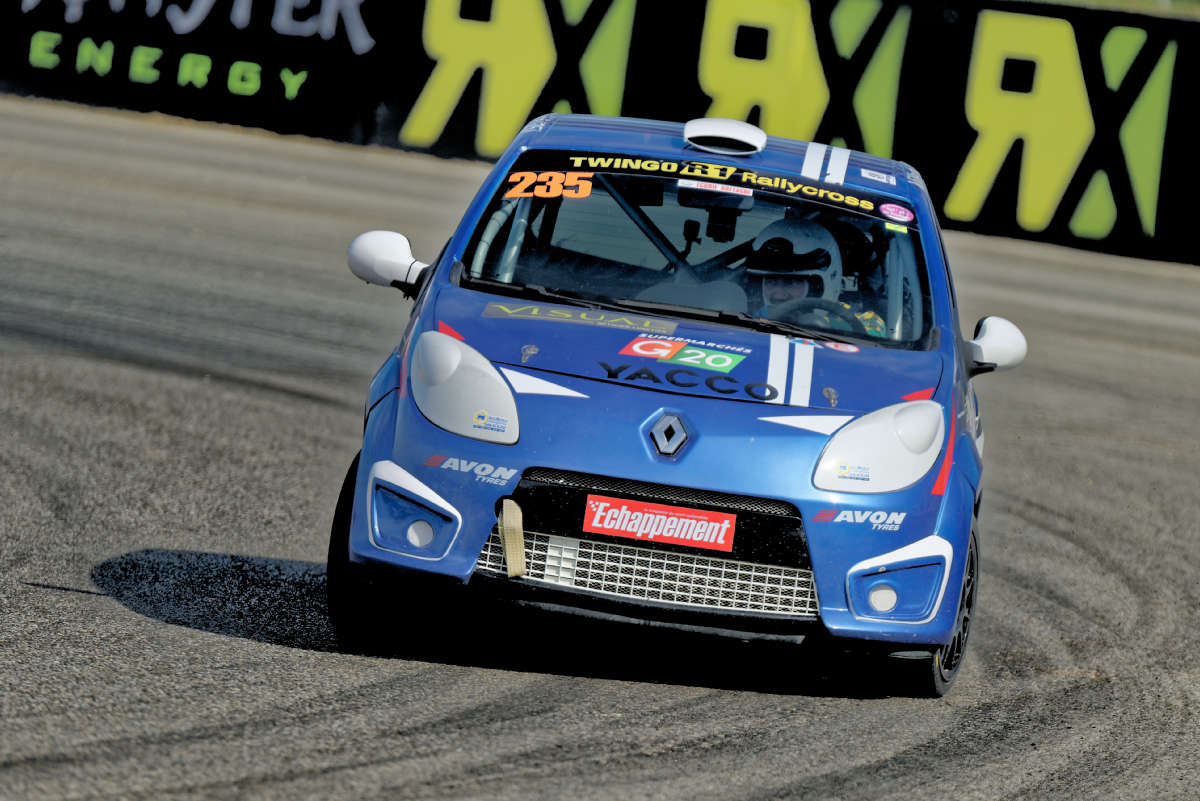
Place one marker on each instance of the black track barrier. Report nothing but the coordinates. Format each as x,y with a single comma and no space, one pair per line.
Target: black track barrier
1044,122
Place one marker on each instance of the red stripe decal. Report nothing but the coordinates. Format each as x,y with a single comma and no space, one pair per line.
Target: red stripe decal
434,461
824,516
924,394
448,331
939,487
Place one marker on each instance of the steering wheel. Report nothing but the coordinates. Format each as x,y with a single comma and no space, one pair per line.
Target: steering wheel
800,306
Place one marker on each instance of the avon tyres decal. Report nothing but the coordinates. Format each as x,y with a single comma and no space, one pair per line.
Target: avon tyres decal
878,520
682,353
564,314
678,525
686,378
483,472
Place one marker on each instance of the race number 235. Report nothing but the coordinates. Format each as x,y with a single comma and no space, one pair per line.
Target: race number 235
550,184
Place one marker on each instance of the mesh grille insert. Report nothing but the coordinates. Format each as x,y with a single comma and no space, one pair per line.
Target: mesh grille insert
662,492
676,578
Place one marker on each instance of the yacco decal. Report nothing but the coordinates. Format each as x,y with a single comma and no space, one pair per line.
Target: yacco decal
878,519
563,314
677,525
483,472
686,378
682,353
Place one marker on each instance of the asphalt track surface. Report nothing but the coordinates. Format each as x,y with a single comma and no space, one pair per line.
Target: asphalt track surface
183,358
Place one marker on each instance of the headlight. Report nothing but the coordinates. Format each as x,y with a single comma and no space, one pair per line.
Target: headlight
457,388
886,450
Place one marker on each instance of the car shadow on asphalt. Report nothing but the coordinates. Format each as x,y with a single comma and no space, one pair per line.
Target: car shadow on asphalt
282,602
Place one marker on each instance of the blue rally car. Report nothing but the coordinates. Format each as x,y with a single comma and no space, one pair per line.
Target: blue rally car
685,375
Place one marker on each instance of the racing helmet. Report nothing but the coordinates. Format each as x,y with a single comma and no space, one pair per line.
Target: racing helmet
798,248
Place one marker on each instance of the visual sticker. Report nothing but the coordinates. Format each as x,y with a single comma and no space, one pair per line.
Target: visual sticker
489,422
881,177
483,472
528,352
900,229
844,347
682,353
677,525
564,314
878,519
896,212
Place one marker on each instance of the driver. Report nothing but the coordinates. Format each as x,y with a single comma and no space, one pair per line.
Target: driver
797,258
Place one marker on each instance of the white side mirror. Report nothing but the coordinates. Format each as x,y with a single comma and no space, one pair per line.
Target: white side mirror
385,258
998,345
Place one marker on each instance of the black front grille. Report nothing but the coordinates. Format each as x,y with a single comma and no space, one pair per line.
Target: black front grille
660,492
768,531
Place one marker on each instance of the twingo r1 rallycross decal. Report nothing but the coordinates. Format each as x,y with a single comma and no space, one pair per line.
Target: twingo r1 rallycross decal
669,352
487,473
567,314
833,175
678,525
878,519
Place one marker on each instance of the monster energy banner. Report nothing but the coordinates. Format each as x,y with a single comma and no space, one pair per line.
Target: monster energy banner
1040,121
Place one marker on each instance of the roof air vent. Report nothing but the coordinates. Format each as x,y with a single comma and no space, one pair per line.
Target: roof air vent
727,137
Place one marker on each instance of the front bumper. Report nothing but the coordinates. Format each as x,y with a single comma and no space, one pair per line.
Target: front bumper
826,566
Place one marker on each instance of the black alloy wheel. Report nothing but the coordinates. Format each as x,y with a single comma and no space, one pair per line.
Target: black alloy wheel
932,675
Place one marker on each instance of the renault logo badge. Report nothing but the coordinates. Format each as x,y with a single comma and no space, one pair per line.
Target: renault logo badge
668,435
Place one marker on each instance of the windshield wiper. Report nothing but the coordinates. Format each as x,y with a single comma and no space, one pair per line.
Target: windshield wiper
536,291
736,318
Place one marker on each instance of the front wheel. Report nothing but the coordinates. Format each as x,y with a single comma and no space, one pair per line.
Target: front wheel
932,675
349,590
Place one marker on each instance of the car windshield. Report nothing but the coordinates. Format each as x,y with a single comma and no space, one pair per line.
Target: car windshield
690,238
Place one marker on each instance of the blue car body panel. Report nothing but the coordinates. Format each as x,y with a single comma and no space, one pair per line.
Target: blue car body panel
411,468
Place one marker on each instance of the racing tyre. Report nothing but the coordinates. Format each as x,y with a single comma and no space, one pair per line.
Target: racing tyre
349,589
932,675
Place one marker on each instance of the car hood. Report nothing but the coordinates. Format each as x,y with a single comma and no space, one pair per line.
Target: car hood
683,356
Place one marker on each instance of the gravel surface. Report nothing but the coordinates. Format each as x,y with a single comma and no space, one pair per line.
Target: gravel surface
183,359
